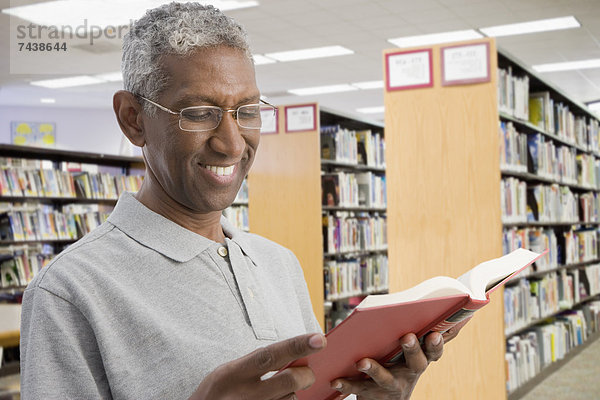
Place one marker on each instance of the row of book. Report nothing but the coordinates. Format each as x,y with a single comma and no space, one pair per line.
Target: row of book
513,148
347,231
19,264
529,353
533,299
556,118
534,239
352,147
553,162
355,276
237,216
552,203
344,189
27,182
513,94
38,222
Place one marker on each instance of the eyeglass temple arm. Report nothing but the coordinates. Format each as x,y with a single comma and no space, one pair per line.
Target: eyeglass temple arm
159,106
269,104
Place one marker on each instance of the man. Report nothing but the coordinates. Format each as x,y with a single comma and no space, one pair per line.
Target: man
166,300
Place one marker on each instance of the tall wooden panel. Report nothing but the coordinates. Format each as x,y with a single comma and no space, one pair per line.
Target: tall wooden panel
284,187
444,215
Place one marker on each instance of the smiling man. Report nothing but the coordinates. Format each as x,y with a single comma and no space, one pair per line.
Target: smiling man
166,300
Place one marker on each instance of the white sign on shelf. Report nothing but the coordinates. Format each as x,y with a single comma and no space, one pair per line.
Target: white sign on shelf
409,70
465,64
300,118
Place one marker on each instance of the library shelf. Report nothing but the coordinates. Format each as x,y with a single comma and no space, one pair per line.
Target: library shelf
355,253
543,319
542,224
58,200
551,368
354,208
538,178
539,274
355,167
14,151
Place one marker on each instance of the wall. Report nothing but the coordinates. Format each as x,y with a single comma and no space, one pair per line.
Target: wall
81,129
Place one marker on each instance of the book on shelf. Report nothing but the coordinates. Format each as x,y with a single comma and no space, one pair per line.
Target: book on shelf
375,326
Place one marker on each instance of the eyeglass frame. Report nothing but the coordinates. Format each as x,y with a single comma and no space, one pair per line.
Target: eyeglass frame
234,112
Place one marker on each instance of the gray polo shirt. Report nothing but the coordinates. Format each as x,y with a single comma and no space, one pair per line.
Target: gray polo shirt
142,308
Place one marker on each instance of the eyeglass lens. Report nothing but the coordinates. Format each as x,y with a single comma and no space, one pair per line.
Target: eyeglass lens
204,118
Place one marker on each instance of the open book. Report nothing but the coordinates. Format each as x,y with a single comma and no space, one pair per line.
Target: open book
376,325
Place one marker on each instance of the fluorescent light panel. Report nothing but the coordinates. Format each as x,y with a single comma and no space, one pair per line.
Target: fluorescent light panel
305,54
595,106
371,110
322,90
568,65
71,81
542,25
47,100
74,13
368,85
260,59
110,76
435,38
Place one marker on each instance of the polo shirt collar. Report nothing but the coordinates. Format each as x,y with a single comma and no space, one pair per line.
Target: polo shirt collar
165,236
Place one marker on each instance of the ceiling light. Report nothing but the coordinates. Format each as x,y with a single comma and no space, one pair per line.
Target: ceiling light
305,54
110,76
435,38
260,60
594,107
86,13
568,65
369,85
68,82
542,25
371,110
323,90
47,100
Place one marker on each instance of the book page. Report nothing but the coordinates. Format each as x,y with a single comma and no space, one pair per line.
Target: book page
439,286
487,275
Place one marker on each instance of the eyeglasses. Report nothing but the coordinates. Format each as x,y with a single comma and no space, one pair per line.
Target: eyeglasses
207,118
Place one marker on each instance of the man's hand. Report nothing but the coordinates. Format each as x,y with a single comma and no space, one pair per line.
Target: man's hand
398,381
241,378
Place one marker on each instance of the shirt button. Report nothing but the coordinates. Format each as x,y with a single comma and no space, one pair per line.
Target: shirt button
222,251
251,293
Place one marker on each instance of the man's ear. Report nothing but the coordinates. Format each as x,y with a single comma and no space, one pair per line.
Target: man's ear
129,116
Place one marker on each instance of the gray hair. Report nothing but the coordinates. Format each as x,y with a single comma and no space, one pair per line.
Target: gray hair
175,28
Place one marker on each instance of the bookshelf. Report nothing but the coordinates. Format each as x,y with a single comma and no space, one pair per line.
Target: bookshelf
450,160
285,203
50,198
570,277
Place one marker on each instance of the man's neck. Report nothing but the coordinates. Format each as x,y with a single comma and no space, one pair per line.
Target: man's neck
204,224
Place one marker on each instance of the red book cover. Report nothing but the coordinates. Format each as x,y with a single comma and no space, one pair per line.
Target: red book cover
374,331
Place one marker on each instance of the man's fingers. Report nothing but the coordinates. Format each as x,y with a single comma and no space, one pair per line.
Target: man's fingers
287,382
277,355
434,346
379,374
416,361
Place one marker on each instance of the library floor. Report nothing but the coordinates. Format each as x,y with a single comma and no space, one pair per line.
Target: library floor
576,380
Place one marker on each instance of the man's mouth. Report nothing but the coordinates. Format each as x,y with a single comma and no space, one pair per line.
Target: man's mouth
221,171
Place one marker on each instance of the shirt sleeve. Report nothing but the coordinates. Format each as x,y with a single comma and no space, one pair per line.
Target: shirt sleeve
59,353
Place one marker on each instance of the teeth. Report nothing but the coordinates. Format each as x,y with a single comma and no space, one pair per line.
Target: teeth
221,171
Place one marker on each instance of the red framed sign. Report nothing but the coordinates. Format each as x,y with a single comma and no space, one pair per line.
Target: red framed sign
465,64
408,70
300,118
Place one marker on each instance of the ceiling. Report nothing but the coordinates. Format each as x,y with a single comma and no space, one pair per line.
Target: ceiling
361,25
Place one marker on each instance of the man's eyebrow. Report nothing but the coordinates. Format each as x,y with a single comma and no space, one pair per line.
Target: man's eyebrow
193,100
